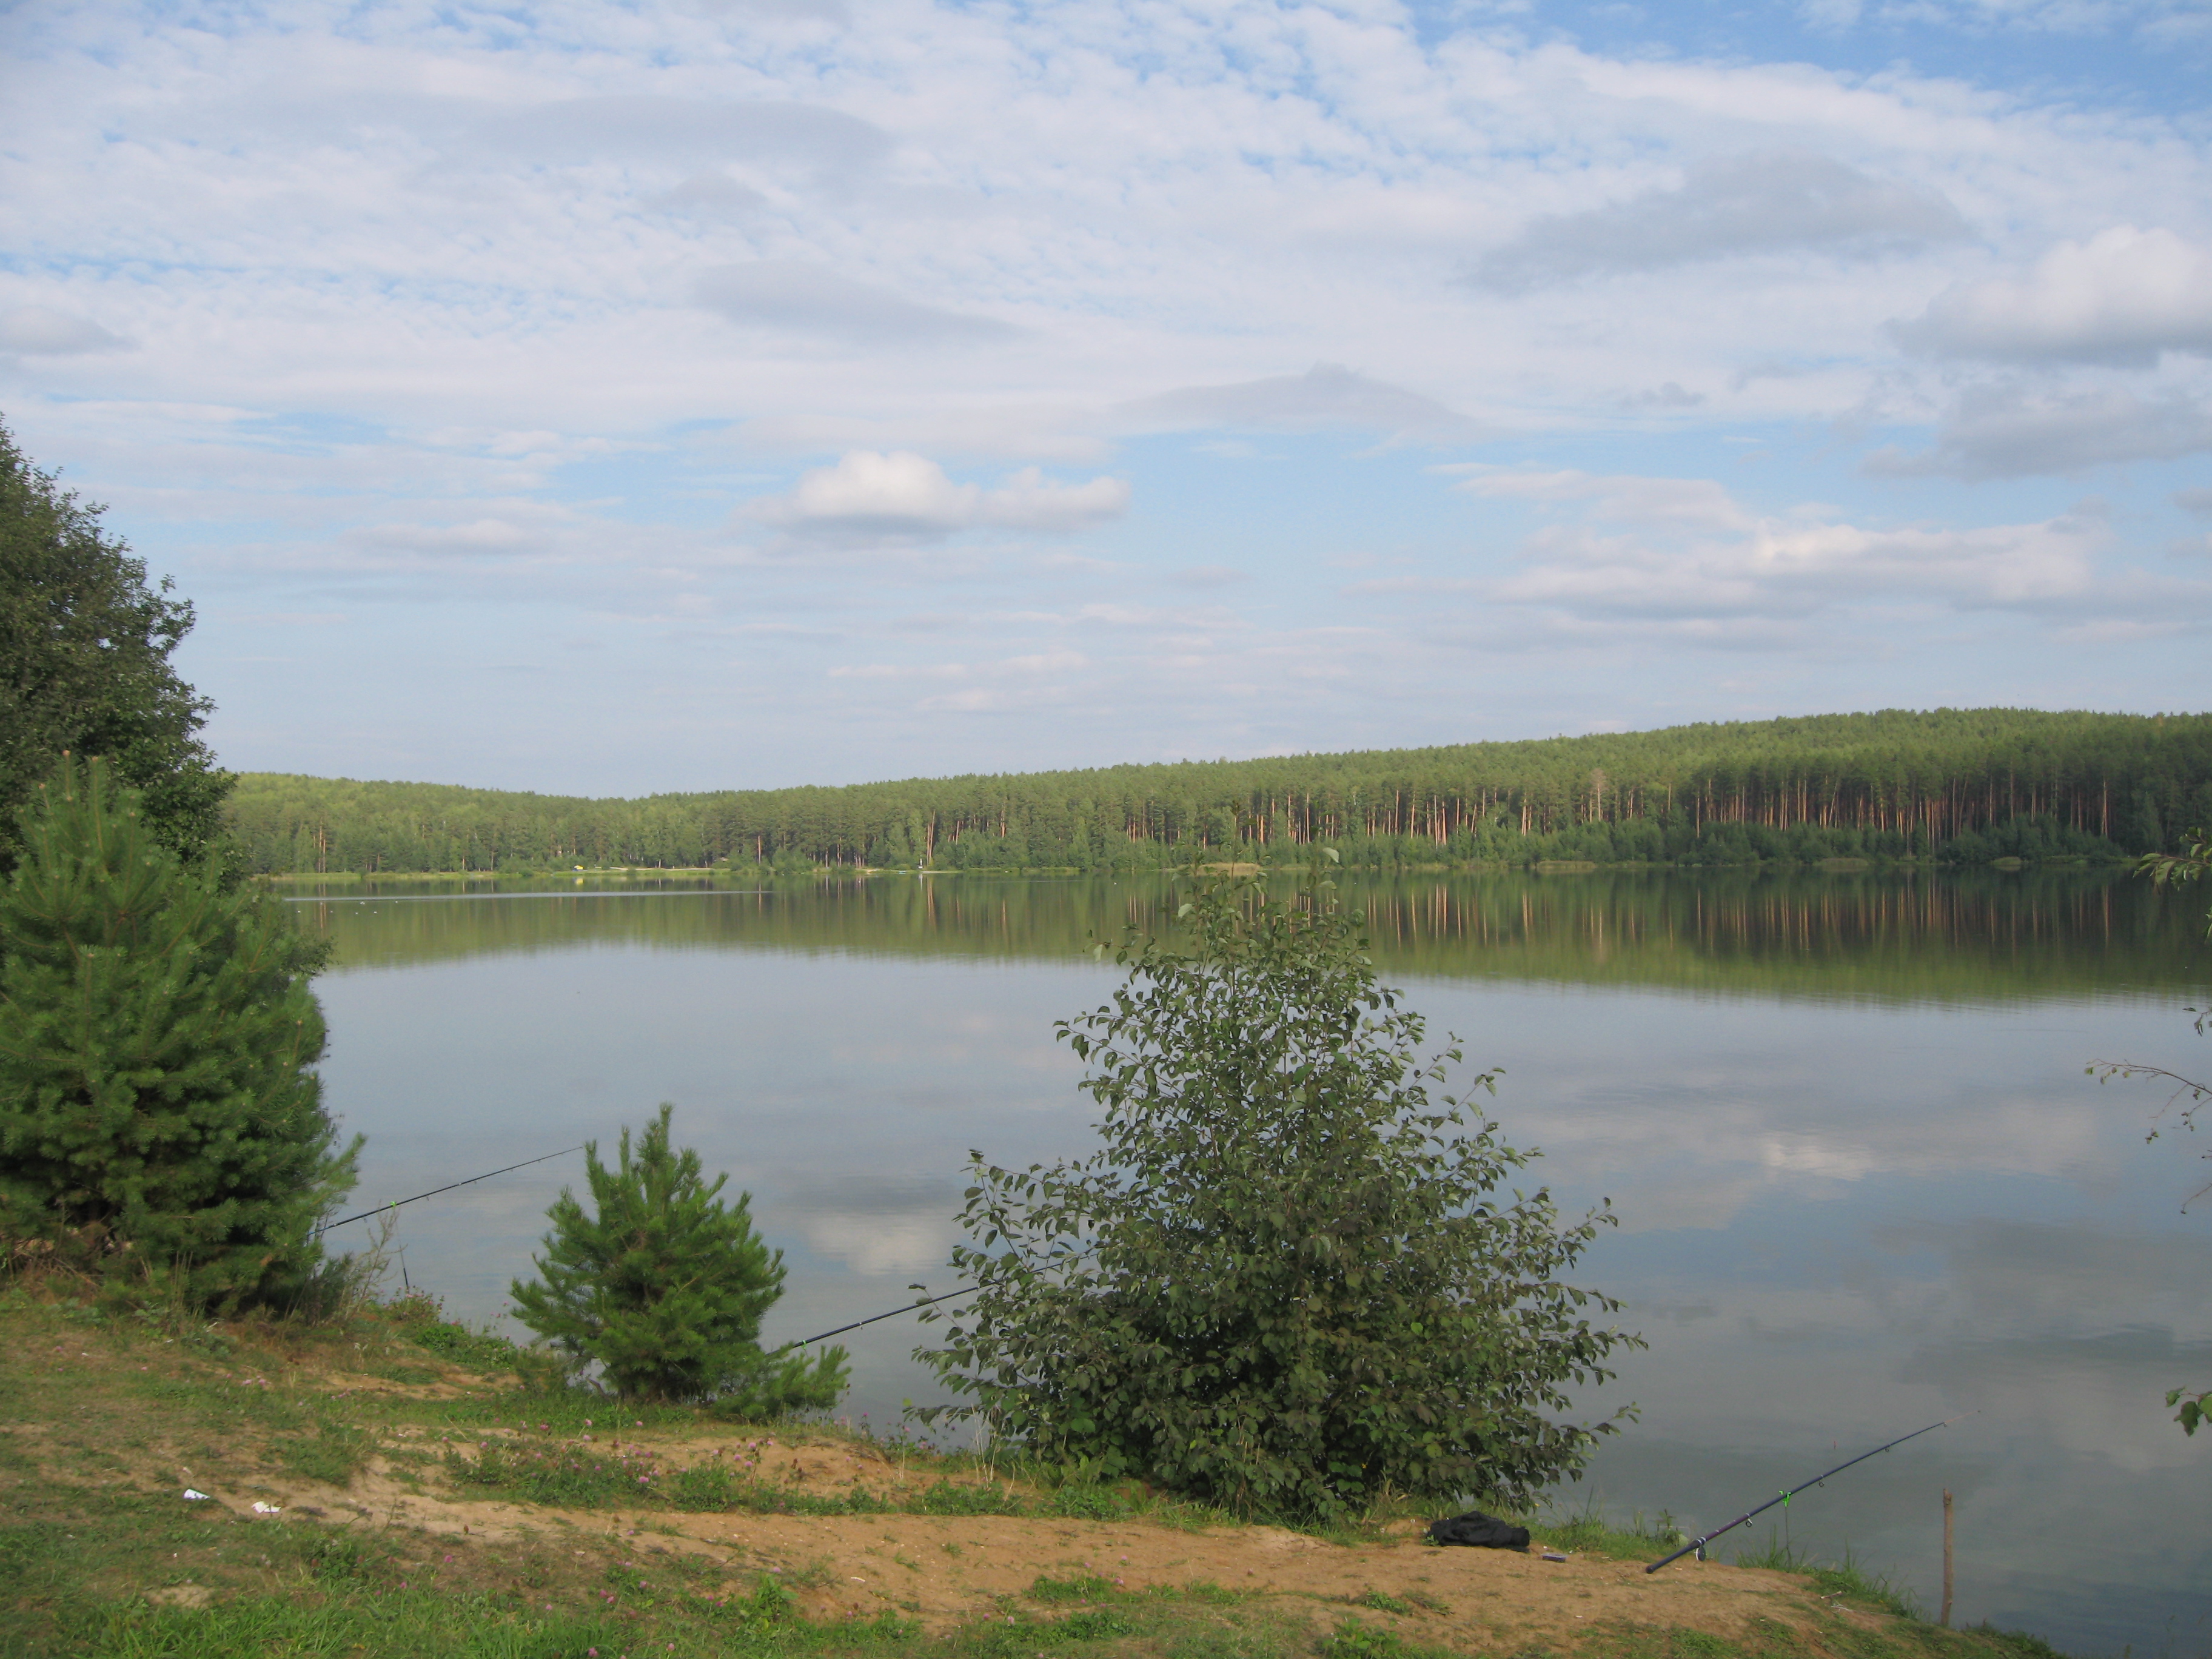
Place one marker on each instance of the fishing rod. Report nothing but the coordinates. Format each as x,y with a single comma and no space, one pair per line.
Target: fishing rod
448,1187
1698,1544
872,1318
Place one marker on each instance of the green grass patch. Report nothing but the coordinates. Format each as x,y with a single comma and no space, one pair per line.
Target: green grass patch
946,1497
1845,1580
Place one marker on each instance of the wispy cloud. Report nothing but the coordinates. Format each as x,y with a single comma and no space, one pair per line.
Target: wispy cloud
1768,202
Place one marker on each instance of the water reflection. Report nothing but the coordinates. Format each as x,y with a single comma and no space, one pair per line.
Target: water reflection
1862,1180
1980,936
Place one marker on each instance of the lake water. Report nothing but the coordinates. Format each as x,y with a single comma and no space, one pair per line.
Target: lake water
1862,1180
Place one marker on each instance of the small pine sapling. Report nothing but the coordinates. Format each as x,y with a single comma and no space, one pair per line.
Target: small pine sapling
665,1286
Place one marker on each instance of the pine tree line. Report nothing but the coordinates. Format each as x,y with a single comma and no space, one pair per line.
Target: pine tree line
1967,784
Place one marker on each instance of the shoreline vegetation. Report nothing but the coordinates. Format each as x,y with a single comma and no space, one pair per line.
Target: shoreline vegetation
391,1481
1947,787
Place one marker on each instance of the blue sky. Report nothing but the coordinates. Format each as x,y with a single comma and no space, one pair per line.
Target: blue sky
612,399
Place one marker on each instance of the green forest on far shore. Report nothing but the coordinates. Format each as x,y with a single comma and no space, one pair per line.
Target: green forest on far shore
1954,785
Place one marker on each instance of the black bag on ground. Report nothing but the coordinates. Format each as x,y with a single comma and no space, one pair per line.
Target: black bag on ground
1482,1532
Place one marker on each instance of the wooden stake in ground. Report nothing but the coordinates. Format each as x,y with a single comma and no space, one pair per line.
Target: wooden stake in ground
1945,1618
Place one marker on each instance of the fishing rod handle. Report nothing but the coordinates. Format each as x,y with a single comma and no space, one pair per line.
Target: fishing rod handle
1698,1544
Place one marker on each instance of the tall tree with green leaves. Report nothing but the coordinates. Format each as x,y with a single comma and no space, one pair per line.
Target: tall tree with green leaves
85,645
157,1041
1287,1281
665,1286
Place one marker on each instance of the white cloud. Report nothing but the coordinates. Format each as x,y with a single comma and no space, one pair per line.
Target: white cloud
44,332
1765,203
904,495
2124,296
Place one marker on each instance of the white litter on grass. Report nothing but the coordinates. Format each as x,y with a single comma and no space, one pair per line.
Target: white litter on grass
191,1496
260,1508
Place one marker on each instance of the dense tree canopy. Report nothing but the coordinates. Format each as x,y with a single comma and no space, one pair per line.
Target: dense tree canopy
1970,785
84,664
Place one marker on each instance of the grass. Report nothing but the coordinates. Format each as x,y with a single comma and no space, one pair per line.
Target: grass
1846,1580
105,1415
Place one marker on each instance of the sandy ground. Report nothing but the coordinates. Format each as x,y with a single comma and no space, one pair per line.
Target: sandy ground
949,1570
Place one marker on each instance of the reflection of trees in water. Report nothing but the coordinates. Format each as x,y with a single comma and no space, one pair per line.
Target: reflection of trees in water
1974,936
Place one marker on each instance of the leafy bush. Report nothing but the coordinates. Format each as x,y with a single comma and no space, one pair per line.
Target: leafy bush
1285,1282
666,1286
157,1038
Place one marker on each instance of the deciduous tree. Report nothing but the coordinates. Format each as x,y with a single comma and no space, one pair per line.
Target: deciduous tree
1288,1279
85,646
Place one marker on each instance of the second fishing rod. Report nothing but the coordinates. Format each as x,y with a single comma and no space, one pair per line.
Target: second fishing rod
1698,1545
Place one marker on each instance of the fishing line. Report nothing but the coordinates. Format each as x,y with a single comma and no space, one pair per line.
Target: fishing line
1698,1544
448,1187
872,1318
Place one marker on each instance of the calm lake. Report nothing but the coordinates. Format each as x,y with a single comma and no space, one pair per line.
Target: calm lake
1863,1182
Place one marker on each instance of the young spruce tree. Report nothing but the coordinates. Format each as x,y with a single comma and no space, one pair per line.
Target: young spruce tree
1287,1281
156,1038
664,1288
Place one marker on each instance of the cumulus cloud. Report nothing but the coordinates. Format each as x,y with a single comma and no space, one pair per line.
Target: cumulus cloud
1765,203
42,331
903,494
2124,296
1326,395
792,294
2008,432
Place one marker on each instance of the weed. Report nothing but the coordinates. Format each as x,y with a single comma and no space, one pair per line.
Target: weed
946,1499
1353,1640
1090,1588
1380,1602
1846,1579
336,1452
704,1486
1086,1501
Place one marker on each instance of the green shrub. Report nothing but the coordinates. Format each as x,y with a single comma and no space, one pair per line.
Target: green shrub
1287,1281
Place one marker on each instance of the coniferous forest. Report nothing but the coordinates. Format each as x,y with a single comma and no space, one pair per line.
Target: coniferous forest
1961,785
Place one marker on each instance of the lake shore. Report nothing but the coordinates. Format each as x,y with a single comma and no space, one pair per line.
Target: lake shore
386,1483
